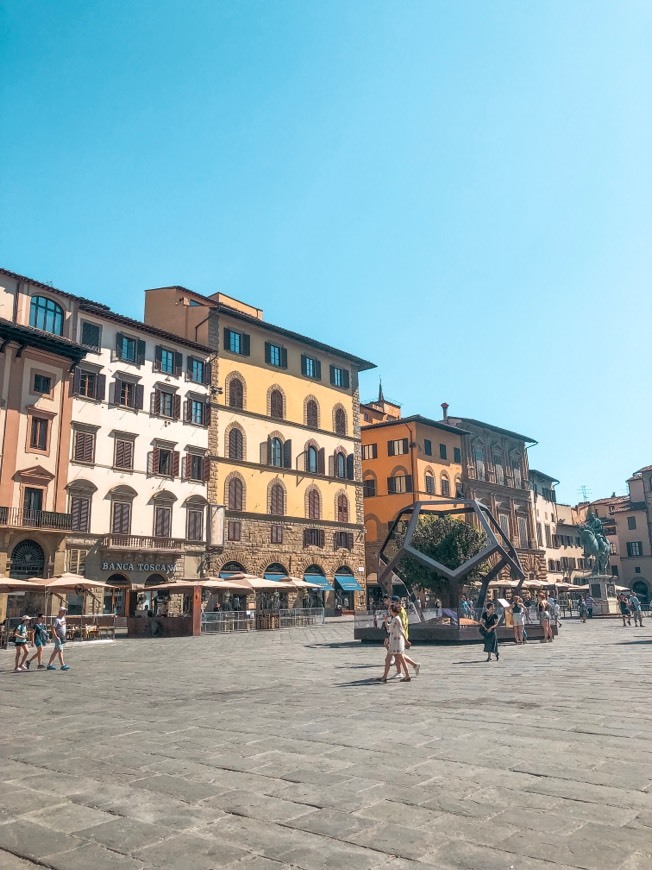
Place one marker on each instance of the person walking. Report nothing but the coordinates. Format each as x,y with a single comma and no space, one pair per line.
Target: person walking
583,609
489,630
20,642
397,641
637,610
40,638
518,618
625,612
589,605
406,631
59,633
544,618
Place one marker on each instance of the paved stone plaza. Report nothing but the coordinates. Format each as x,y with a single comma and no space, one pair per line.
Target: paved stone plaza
273,750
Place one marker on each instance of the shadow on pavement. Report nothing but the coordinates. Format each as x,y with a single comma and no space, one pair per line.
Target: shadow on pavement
345,644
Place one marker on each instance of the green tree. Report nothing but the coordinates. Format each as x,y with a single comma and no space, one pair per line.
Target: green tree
448,540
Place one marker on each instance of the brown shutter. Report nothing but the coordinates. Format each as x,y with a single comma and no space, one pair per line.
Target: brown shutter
178,363
187,466
321,461
156,403
207,414
287,454
245,344
140,354
349,540
158,355
176,460
306,537
350,467
390,448
206,468
140,396
187,410
321,534
176,406
76,381
100,387
156,460
207,373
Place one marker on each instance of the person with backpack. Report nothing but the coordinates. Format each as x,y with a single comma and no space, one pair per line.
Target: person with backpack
20,642
637,610
40,638
59,631
625,612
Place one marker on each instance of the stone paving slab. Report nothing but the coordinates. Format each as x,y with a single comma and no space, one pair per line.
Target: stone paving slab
280,749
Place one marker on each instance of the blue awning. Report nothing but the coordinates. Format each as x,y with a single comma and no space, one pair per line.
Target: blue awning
319,579
347,583
275,577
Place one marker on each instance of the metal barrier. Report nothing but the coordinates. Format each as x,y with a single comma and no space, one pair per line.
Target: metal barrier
227,621
301,616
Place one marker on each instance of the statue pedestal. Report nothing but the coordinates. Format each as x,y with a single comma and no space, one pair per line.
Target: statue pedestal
602,587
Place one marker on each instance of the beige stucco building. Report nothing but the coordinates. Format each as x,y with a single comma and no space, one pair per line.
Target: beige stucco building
557,531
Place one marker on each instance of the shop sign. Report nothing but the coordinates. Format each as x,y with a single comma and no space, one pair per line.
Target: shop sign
165,568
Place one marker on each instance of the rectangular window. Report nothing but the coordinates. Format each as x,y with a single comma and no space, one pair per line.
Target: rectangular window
398,447
127,394
369,488
400,483
276,535
234,530
166,404
195,525
276,355
634,548
370,451
87,384
164,465
162,522
195,466
91,335
522,533
42,384
503,519
313,537
340,377
126,348
121,518
80,509
548,537
427,447
76,561
310,367
631,522
32,502
457,455
197,412
167,361
539,535
38,436
123,454
197,370
236,342
343,541
443,452
84,447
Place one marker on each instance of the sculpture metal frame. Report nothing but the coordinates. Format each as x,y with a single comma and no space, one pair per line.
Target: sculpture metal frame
498,544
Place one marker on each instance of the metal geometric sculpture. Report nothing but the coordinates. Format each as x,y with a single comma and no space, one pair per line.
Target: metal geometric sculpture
498,549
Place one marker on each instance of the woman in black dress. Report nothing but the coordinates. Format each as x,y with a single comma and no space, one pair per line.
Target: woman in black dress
489,624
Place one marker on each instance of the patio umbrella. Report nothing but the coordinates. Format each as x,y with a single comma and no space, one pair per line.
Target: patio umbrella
205,583
8,584
68,581
298,583
250,581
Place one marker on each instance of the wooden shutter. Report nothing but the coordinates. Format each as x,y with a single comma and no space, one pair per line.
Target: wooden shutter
391,485
140,352
189,362
158,356
304,364
79,510
349,540
207,373
117,391
390,448
245,344
84,446
306,537
268,352
121,518
206,468
321,537
408,483
345,379
350,467
405,445
332,465
187,410
156,403
178,364
176,406
176,461
318,370
332,373
227,338
100,387
321,461
187,466
287,454
284,358
140,397
118,344
207,414
155,460
76,381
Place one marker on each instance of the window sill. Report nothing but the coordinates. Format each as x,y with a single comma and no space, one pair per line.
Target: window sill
81,462
90,399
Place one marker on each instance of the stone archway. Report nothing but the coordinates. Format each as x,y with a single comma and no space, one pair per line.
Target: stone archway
27,560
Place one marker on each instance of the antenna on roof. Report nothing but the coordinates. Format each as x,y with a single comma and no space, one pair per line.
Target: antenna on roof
585,492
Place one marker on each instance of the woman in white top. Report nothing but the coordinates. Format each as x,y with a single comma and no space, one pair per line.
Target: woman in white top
396,645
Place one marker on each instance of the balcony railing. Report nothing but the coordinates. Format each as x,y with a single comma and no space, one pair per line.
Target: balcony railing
19,517
142,542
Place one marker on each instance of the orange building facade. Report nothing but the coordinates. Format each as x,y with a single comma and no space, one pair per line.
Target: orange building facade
404,460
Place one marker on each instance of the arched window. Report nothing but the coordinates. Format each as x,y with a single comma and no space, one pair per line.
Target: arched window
430,483
314,505
277,500
445,485
312,460
276,409
312,414
236,393
46,315
236,444
276,453
342,509
340,466
340,422
235,499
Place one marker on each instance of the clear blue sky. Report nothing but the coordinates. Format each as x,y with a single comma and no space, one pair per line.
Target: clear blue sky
460,191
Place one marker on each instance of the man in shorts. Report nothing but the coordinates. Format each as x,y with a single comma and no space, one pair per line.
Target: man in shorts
40,638
20,640
637,610
59,635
